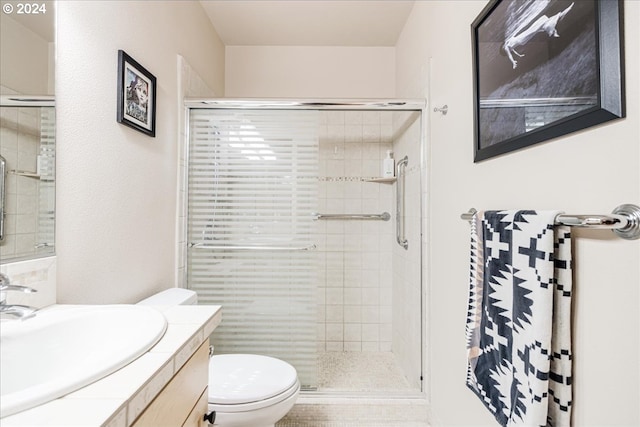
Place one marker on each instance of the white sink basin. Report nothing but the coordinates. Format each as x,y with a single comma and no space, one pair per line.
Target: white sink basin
63,349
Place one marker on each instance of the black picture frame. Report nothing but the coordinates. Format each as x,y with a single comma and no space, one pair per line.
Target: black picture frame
136,95
543,69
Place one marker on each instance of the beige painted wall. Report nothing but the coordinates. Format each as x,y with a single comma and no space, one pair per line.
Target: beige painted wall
588,172
116,199
309,72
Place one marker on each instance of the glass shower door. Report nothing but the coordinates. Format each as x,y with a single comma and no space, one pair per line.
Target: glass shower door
252,188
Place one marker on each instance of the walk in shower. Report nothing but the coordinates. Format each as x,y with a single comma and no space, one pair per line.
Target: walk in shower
313,254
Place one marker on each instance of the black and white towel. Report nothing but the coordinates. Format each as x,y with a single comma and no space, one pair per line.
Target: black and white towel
518,325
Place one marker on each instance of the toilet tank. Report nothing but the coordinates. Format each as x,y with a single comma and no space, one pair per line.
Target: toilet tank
172,296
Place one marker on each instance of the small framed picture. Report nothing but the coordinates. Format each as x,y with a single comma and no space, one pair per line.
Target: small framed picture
136,95
543,69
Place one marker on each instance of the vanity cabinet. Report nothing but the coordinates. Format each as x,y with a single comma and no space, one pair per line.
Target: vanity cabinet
183,401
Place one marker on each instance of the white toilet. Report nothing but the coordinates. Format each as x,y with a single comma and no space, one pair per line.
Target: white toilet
245,390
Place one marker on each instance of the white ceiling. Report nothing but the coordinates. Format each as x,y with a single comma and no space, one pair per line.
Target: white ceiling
308,22
42,23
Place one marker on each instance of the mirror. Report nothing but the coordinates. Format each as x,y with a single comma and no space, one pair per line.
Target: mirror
27,126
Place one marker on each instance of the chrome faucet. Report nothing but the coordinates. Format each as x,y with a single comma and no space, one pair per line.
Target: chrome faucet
16,310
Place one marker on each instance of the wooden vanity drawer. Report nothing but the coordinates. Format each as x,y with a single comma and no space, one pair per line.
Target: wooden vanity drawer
179,402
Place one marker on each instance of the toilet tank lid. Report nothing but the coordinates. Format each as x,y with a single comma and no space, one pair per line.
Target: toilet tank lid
172,296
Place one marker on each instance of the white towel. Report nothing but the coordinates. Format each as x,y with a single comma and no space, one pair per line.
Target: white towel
519,320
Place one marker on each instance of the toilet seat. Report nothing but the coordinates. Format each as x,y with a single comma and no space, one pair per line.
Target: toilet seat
245,382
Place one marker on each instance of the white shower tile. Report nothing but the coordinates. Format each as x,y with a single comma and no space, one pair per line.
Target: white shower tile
370,332
370,151
353,296
335,168
371,117
335,313
334,332
353,313
321,332
353,190
385,345
335,296
336,117
354,227
372,168
371,134
353,243
335,242
352,260
371,296
352,332
353,135
321,313
354,346
335,135
353,117
353,206
370,346
371,314
371,260
353,278
334,227
335,345
386,335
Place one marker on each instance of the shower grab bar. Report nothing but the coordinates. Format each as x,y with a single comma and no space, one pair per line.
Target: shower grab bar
401,168
384,216
3,176
624,221
252,248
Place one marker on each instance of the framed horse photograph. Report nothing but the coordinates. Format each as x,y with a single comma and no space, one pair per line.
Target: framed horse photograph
543,69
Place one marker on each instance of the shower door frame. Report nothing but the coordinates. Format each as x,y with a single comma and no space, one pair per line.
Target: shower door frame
390,104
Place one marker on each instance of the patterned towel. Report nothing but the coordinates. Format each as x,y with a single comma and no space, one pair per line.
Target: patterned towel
518,326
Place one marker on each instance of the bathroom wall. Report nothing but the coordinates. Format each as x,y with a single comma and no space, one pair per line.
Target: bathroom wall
309,72
355,289
117,188
591,171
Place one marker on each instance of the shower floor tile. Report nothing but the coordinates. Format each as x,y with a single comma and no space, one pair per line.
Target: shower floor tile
360,372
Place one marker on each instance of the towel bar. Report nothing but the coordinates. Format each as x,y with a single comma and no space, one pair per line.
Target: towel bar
384,216
203,245
624,221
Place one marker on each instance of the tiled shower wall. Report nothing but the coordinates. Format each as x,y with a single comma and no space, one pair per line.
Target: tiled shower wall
355,257
21,144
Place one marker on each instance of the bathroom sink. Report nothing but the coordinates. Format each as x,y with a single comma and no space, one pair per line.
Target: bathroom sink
65,348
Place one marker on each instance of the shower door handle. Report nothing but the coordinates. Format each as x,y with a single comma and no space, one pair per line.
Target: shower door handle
401,169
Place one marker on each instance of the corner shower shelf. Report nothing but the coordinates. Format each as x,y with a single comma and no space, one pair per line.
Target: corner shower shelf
382,180
24,173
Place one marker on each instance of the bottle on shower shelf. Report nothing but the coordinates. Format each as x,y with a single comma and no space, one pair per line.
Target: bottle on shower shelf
388,165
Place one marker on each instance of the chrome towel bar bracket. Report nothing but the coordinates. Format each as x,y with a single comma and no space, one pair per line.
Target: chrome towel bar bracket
624,221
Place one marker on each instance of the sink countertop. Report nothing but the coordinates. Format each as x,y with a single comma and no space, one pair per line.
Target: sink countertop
118,399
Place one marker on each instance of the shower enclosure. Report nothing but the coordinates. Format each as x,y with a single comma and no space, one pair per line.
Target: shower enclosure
27,177
314,256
